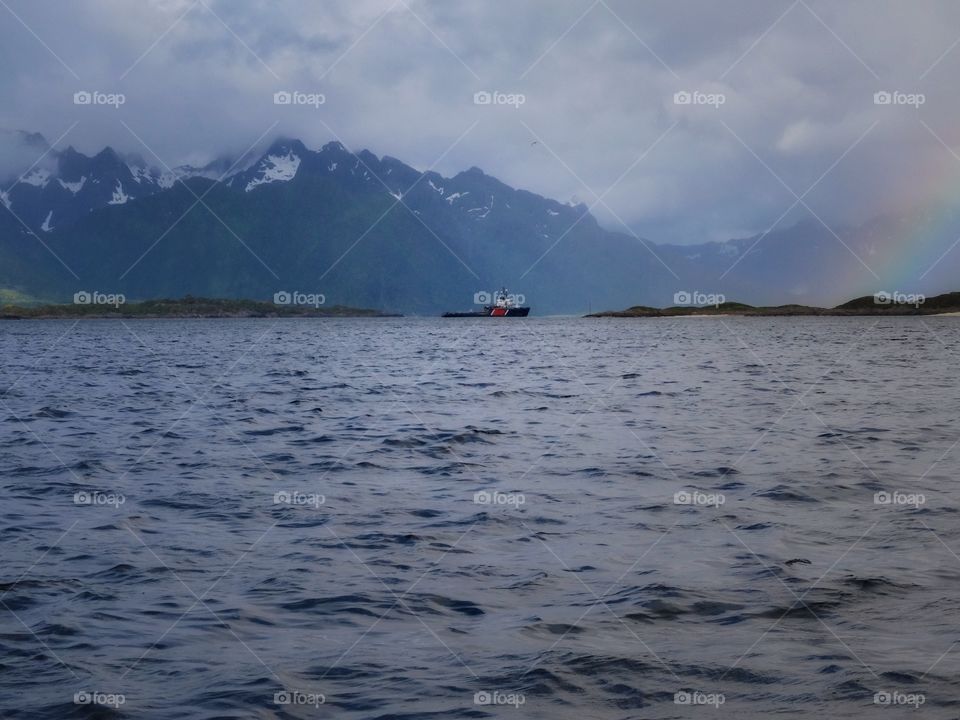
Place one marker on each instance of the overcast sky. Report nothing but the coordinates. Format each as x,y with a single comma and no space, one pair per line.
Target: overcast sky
599,119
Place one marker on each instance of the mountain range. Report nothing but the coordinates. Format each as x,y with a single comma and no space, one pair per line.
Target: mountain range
369,231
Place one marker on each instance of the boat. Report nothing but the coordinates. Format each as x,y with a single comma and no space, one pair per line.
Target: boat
504,305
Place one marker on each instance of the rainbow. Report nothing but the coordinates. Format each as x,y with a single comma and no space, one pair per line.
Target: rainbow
916,255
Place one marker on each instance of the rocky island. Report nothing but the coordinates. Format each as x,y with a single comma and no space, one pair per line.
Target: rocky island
879,304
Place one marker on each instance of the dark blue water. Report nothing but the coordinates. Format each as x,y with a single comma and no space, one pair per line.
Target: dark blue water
675,518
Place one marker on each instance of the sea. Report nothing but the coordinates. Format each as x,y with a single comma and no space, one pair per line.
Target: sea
708,517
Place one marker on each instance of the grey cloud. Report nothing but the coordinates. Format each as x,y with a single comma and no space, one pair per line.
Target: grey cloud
798,94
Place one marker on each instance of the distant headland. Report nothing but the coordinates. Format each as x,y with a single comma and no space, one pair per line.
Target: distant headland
881,304
188,307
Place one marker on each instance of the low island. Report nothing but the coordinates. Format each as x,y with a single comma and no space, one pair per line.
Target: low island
188,307
869,305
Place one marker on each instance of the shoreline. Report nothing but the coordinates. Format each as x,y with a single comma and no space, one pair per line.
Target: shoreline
824,314
11,318
880,305
189,307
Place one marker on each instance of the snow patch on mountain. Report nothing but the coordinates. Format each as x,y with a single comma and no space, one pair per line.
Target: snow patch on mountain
139,174
483,210
38,178
73,187
438,189
276,168
552,212
47,227
456,196
4,199
119,196
398,195
332,167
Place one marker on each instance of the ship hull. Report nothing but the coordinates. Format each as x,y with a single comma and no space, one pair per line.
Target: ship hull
490,312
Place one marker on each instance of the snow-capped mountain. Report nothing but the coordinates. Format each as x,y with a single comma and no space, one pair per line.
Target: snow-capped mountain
373,231
472,194
65,186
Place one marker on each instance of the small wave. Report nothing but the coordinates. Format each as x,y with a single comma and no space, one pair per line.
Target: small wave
720,471
52,412
786,494
275,431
